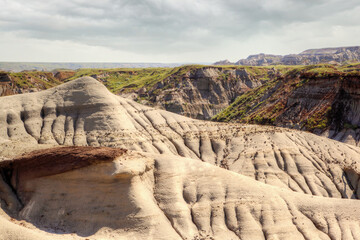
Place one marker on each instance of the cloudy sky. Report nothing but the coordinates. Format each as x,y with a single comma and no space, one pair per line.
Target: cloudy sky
171,30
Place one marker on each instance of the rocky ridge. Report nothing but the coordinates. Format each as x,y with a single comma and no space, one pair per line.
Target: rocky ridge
202,93
308,57
322,99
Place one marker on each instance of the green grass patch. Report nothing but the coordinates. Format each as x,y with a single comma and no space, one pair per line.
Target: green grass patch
244,103
319,120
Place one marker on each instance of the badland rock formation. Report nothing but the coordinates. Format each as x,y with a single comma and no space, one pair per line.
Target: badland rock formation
133,172
322,98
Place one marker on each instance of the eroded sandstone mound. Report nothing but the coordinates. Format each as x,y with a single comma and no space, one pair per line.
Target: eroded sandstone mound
152,196
181,179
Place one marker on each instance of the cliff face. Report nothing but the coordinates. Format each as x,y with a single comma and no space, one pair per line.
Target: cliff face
307,57
202,93
322,99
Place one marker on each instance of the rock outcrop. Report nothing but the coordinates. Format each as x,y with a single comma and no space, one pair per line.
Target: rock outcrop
223,62
260,60
322,99
203,92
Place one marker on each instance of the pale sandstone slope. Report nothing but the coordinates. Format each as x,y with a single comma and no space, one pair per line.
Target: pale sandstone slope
151,196
171,186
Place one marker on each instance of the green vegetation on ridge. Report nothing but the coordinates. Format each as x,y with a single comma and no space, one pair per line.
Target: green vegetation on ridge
34,79
129,79
286,99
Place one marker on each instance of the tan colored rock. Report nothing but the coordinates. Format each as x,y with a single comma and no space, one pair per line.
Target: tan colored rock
152,196
181,179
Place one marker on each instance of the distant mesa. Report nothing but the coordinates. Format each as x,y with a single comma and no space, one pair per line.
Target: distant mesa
223,62
307,57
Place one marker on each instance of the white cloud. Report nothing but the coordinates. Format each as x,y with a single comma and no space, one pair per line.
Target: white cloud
172,30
